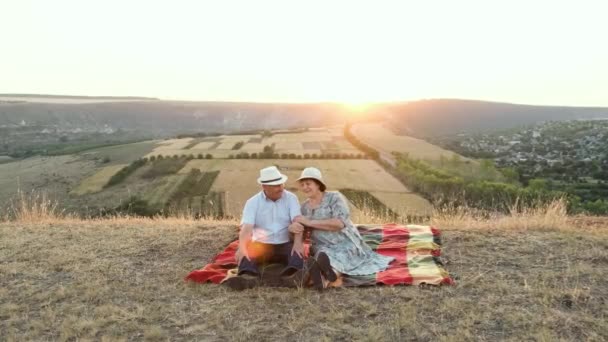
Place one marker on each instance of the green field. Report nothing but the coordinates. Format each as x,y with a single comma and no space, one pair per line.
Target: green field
120,154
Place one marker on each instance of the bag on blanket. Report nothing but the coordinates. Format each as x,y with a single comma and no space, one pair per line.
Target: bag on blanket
416,250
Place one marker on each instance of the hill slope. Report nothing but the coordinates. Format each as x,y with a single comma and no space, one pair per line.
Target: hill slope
437,117
164,118
122,279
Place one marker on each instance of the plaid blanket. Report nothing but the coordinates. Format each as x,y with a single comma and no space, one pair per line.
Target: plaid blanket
416,250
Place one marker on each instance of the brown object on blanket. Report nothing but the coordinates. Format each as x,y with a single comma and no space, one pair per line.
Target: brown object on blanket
270,275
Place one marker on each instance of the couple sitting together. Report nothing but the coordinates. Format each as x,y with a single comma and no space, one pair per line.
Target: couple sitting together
273,228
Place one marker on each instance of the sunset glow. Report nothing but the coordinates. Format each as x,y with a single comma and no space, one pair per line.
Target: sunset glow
540,52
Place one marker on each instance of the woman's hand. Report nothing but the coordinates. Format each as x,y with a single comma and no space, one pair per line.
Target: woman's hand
302,220
296,228
298,248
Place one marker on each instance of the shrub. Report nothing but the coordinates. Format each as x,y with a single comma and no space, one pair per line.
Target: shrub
238,145
124,173
163,167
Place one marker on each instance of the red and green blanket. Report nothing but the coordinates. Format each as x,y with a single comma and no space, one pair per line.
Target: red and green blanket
416,250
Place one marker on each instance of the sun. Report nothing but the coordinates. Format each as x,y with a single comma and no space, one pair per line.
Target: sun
356,107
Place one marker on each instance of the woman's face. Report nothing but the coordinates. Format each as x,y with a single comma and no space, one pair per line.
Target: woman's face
309,187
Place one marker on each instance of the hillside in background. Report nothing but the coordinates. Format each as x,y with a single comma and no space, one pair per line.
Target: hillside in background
45,118
429,118
48,97
162,118
41,126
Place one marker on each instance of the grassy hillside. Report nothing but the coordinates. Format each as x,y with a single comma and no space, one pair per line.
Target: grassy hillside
165,118
538,276
446,116
112,176
379,136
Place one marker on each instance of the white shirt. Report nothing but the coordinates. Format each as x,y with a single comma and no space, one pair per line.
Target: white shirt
271,219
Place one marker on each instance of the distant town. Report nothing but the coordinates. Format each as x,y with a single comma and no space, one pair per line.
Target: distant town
570,156
567,150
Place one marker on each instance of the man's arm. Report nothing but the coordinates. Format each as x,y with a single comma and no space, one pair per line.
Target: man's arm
246,233
245,236
295,213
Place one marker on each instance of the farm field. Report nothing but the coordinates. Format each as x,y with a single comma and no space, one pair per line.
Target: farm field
383,139
96,182
379,137
121,154
317,141
84,175
237,179
56,176
404,203
5,159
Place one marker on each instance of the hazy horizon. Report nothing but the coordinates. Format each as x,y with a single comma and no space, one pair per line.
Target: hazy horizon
537,53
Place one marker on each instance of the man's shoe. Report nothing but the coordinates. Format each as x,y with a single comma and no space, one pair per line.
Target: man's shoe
242,282
325,267
295,279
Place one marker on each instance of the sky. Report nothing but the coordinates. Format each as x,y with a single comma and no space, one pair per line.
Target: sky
534,52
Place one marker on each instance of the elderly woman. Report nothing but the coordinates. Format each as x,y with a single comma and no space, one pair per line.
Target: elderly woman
337,246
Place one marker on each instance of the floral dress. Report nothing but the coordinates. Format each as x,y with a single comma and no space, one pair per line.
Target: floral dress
347,251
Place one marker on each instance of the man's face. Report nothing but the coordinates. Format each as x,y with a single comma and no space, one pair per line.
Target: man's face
273,192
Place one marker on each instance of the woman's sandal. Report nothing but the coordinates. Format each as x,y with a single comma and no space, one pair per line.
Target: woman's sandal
325,267
315,275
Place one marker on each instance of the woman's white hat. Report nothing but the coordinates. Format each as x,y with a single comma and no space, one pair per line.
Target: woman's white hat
312,172
271,176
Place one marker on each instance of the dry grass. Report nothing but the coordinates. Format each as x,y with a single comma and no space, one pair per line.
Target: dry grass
404,204
538,275
552,217
33,207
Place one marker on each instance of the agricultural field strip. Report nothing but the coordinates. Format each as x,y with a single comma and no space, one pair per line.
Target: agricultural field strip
380,137
238,180
97,181
330,140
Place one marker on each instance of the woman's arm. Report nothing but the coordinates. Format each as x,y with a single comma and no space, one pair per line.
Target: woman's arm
340,215
333,224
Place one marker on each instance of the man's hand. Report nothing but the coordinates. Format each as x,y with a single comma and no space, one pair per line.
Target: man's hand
298,248
296,228
240,254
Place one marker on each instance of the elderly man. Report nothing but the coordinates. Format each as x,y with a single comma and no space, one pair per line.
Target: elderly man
264,235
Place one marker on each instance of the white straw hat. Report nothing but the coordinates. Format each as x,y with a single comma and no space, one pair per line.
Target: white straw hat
271,176
313,173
